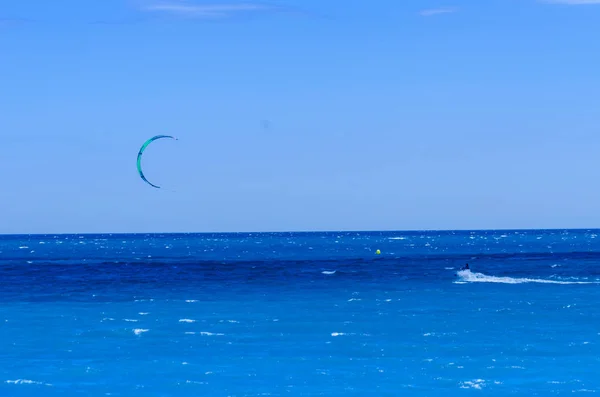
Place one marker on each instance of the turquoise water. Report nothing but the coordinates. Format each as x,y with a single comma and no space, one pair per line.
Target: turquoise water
301,314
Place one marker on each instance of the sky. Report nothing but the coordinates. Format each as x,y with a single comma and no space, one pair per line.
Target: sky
299,115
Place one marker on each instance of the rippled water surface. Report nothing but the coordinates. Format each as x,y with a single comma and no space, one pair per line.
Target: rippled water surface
301,314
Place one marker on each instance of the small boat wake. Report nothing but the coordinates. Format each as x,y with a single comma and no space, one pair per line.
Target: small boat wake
466,276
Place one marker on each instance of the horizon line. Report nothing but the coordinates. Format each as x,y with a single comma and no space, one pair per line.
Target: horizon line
304,231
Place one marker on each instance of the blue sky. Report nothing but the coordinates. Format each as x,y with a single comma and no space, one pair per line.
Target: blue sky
385,114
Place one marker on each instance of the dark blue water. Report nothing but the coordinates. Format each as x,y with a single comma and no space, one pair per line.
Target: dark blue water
304,314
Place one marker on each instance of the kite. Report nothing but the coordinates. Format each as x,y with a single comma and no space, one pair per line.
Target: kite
139,156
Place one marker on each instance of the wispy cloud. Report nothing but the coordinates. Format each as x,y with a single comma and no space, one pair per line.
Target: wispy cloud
205,10
570,2
12,21
437,11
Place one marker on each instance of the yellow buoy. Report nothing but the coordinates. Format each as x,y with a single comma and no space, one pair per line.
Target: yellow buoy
378,252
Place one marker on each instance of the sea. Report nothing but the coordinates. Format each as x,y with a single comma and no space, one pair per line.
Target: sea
301,314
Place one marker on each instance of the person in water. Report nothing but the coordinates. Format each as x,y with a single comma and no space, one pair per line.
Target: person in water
466,267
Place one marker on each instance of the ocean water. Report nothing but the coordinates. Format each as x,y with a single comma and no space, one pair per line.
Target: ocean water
301,314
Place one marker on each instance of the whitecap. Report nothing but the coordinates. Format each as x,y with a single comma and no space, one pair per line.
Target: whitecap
328,272
139,331
26,382
194,382
474,384
186,320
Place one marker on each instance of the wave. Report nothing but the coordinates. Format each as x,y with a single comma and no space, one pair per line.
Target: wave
466,276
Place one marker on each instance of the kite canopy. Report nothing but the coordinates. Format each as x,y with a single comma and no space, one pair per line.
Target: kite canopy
139,156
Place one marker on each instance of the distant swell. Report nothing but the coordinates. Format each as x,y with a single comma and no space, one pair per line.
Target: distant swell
466,276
